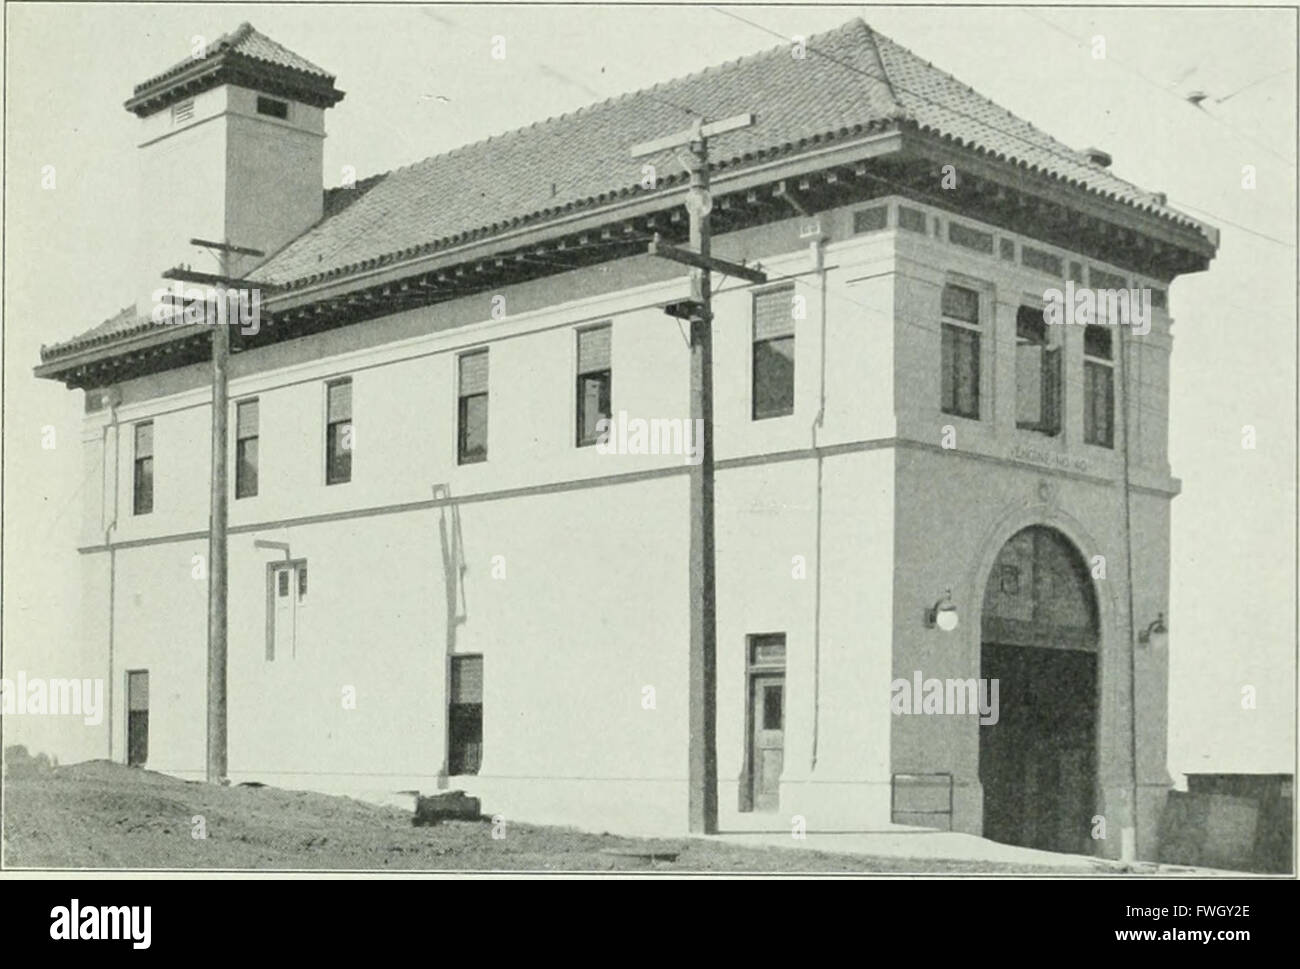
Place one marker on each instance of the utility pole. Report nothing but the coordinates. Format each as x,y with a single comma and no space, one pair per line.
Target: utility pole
702,798
217,585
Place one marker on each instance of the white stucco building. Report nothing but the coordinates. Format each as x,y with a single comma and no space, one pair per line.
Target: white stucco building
437,580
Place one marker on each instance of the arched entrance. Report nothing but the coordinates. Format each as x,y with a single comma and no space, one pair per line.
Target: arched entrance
1038,762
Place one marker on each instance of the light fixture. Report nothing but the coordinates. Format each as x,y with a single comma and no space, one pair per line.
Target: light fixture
1156,633
943,614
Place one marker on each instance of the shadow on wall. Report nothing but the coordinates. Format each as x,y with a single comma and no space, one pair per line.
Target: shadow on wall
453,576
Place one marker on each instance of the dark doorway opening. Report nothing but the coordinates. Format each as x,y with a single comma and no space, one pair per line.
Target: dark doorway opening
1038,761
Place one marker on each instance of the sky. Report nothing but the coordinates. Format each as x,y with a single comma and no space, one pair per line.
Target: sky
420,80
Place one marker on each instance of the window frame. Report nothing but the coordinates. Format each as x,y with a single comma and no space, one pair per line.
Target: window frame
607,373
456,764
297,593
462,400
257,439
1093,363
755,342
1050,411
330,480
137,461
959,326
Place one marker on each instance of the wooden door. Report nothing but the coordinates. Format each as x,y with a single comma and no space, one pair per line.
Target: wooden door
767,698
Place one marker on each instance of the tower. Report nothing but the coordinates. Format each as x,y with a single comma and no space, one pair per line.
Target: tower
231,149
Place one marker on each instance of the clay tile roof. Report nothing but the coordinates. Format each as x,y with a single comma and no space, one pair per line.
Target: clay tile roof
852,81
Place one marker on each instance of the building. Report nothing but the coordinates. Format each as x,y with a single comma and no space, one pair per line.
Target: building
440,578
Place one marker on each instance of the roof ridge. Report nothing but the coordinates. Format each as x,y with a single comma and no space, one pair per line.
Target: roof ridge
587,109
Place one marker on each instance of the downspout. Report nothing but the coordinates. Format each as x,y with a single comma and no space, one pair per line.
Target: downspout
819,263
1128,843
109,526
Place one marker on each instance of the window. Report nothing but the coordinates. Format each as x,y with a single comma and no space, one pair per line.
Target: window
465,716
960,352
1042,261
286,595
1038,374
1098,387
911,219
872,219
137,718
142,501
594,381
183,111
964,235
773,368
338,432
472,415
246,449
273,108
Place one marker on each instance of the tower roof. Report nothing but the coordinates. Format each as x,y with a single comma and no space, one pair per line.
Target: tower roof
244,57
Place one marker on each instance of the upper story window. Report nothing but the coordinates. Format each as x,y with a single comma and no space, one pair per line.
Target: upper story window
1038,374
959,358
142,486
1098,386
472,408
246,448
338,431
773,361
595,381
273,108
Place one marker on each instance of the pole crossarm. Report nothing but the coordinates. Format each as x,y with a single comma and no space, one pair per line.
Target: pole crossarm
693,135
226,247
691,258
210,279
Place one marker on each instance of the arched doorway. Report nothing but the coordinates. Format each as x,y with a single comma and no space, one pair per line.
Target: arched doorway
1038,762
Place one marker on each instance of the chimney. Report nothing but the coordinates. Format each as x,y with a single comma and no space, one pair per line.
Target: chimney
231,150
1098,157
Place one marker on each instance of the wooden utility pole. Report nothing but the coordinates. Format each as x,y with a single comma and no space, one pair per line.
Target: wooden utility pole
702,798
217,586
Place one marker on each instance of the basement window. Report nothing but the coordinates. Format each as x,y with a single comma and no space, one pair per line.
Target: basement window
273,108
465,716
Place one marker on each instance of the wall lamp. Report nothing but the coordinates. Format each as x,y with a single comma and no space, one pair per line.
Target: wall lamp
943,614
1156,633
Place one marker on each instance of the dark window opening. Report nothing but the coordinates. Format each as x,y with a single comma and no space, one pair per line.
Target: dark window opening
142,488
773,360
338,433
472,410
959,352
273,108
137,718
595,383
1038,374
246,438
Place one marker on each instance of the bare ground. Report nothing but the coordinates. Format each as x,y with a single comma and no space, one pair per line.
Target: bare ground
103,815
